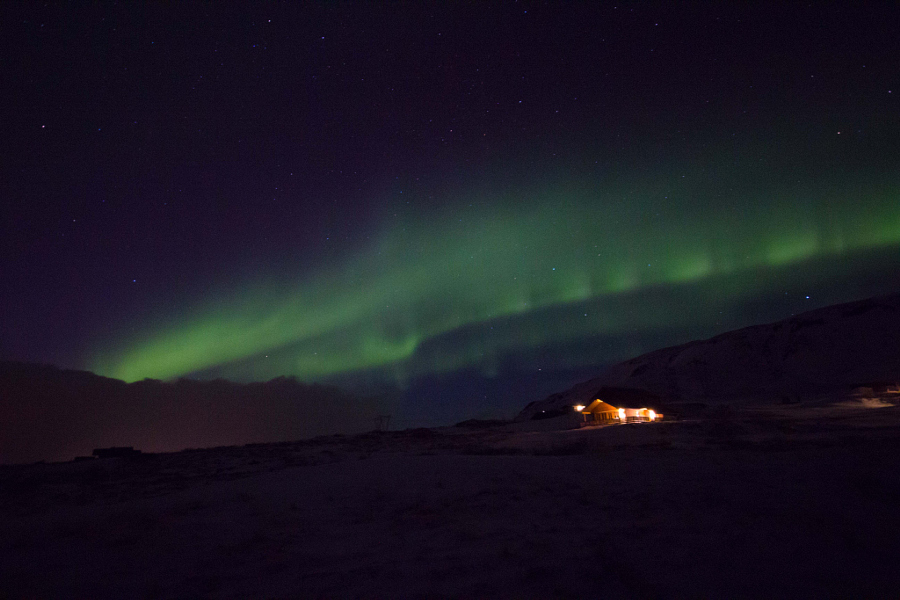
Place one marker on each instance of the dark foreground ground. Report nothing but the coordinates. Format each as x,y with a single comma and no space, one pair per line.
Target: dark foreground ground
795,501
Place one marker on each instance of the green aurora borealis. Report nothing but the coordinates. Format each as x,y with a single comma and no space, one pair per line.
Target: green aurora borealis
554,265
443,210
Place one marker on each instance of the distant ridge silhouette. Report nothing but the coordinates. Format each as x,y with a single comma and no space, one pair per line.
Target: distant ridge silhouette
48,413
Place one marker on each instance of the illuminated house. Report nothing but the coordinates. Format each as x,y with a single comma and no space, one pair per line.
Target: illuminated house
620,408
599,412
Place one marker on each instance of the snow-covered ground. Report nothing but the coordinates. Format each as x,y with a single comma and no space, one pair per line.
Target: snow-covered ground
793,501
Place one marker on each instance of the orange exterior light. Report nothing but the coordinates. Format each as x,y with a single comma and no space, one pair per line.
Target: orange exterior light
652,415
579,407
622,413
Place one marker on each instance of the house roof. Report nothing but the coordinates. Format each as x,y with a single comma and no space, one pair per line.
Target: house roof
599,406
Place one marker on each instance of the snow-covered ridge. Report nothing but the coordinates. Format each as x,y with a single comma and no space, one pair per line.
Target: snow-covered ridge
835,348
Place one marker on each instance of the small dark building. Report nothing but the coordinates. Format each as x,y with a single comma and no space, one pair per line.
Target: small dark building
115,452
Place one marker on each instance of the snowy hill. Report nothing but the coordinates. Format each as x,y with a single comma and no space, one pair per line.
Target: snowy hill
829,349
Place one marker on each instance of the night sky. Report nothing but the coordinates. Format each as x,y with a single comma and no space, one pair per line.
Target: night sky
467,205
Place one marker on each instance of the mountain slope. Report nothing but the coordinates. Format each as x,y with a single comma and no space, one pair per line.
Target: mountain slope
832,348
